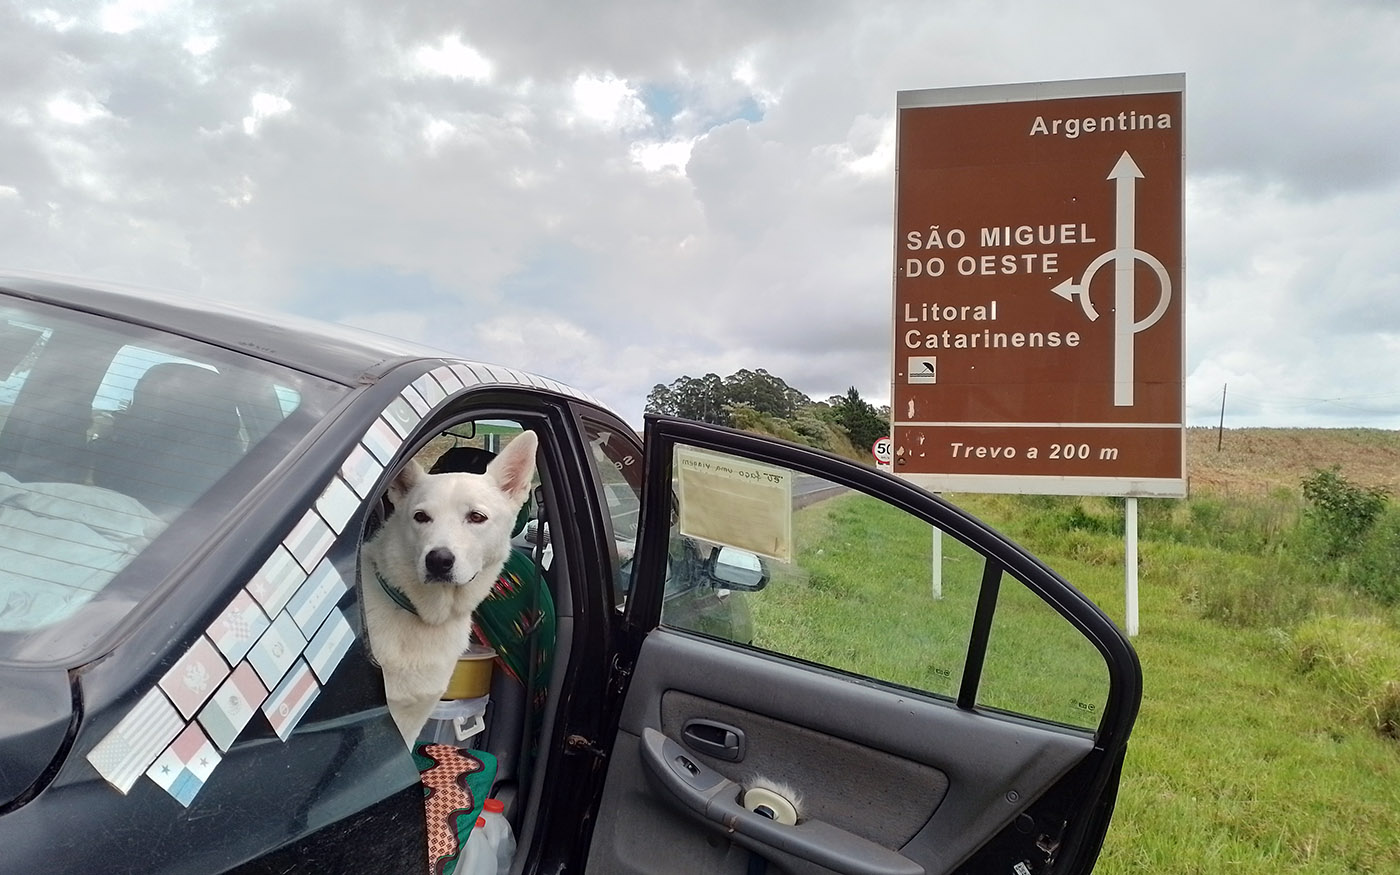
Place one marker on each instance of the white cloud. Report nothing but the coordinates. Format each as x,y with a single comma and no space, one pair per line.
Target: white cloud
124,16
609,102
53,18
74,110
655,157
264,106
454,59
200,45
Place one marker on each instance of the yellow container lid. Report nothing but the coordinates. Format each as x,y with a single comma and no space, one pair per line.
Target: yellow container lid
471,678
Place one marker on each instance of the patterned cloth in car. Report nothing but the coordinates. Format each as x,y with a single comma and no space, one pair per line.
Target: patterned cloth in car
455,784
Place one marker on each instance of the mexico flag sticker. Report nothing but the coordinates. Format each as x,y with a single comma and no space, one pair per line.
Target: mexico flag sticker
233,706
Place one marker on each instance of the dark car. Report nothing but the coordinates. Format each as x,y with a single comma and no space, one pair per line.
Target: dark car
187,686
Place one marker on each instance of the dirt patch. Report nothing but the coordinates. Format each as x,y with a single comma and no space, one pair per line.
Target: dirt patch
1259,460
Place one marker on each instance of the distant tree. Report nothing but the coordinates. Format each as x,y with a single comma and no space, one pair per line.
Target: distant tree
859,418
764,393
757,401
661,400
700,398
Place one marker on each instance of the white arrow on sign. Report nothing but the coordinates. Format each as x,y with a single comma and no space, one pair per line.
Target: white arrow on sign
1126,174
1124,255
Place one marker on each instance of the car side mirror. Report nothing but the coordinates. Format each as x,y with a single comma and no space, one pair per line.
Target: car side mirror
732,568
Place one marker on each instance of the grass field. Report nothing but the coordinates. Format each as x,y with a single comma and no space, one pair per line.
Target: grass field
1267,737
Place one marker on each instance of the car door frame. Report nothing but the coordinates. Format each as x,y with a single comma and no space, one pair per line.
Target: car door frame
1096,777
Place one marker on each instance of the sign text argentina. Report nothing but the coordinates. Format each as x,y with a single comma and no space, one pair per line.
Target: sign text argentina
1038,339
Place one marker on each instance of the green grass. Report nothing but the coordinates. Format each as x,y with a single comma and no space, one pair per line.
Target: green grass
859,597
1266,740
1246,758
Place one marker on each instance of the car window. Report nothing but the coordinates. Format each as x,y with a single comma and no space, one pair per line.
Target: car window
619,465
797,565
109,434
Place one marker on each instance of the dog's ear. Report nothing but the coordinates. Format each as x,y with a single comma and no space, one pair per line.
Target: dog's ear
514,467
410,476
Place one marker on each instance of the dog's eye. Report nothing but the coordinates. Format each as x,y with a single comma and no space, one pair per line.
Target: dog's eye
422,517
476,516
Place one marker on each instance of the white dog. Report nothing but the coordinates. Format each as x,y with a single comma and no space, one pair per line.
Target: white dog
428,567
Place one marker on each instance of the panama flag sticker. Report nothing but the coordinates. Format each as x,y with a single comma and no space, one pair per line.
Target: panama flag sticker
285,707
233,706
186,765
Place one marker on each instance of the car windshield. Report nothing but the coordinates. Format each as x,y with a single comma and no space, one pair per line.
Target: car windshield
110,434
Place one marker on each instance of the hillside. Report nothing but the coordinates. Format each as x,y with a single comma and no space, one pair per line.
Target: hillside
1259,460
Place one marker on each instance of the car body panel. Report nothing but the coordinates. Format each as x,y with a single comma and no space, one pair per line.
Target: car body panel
336,786
891,780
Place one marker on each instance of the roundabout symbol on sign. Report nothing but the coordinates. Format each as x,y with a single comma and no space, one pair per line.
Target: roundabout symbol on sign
1124,256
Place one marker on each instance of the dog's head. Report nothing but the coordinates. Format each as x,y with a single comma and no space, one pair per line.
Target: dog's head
452,526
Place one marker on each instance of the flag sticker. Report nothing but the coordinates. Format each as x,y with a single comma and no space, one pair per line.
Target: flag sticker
238,627
337,504
317,597
329,645
130,748
448,379
233,706
468,376
193,678
427,386
415,400
360,470
275,582
382,441
186,765
277,649
401,415
292,698
309,540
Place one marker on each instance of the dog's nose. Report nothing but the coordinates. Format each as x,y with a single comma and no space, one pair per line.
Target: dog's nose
439,562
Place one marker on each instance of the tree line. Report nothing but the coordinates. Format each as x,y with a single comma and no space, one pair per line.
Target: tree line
755,400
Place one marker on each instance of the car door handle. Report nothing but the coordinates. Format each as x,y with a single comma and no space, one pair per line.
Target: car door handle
715,798
715,739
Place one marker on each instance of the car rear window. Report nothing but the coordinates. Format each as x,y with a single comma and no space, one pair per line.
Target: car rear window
110,436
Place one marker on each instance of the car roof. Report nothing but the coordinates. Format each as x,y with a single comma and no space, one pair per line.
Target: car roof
334,352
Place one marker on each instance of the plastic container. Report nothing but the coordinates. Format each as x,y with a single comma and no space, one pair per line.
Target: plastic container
455,722
477,858
499,833
471,679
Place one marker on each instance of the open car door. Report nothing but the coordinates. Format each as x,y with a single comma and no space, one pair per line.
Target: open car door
890,686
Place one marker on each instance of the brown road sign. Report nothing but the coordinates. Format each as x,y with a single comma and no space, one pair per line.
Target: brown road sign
1038,333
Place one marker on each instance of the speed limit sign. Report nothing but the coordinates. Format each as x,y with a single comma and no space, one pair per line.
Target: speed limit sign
883,450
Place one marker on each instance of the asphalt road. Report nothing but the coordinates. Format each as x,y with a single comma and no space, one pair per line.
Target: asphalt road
807,489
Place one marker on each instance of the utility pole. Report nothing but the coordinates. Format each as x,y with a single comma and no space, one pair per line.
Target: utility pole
1220,432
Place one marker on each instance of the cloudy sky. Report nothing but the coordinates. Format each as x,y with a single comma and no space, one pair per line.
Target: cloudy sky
616,194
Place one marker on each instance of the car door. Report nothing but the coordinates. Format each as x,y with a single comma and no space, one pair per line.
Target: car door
908,691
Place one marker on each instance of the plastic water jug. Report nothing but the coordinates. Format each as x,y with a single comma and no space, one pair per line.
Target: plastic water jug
478,857
499,832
